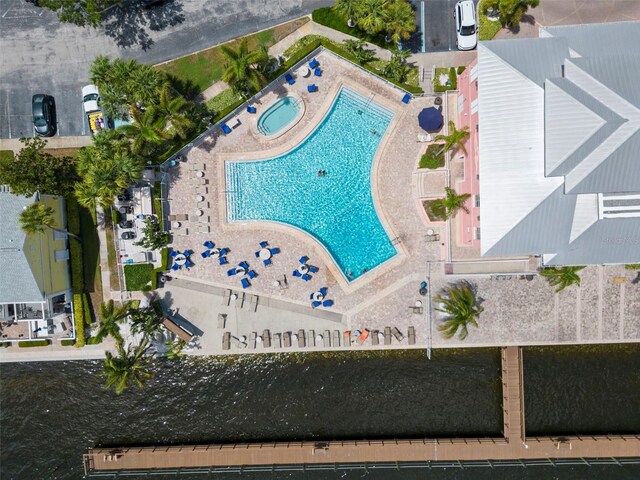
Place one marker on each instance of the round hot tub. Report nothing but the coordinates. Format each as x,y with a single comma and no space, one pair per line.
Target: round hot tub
279,116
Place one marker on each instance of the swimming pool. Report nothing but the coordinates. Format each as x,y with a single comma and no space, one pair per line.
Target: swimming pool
337,208
278,116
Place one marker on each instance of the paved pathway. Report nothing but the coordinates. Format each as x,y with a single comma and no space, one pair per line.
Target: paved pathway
53,142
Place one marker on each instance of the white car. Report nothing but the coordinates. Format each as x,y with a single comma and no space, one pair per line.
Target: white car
466,25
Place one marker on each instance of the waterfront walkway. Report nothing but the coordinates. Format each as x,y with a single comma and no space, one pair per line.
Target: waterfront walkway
513,446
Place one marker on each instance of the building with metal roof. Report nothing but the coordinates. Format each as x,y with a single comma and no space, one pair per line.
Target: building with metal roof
559,145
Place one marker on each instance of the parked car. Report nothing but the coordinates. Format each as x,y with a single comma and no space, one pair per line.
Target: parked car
128,235
124,197
126,224
91,104
43,108
466,25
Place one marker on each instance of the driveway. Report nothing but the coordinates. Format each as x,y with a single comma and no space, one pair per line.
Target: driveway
38,54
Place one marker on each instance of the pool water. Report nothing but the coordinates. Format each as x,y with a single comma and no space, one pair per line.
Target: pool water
278,116
337,208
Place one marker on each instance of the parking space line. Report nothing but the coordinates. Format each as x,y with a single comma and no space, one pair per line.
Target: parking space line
424,37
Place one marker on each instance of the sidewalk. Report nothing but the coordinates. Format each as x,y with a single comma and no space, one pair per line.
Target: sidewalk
52,142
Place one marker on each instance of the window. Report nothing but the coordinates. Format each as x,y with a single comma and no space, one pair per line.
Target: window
477,199
62,255
477,233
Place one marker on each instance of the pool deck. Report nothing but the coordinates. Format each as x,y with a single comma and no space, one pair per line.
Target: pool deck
516,311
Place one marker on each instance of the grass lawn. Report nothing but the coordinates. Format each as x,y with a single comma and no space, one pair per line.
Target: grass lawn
6,155
62,152
433,157
91,259
138,276
327,17
435,210
200,70
445,79
486,28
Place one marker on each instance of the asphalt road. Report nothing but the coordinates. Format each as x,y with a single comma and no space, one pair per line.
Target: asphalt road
38,54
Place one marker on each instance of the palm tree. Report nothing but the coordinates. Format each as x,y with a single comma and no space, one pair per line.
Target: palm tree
372,16
146,321
174,349
511,11
149,128
37,217
462,307
241,71
399,20
562,277
456,138
129,367
396,68
349,9
110,315
452,203
174,109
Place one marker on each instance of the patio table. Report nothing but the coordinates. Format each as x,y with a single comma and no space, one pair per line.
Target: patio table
200,198
318,297
215,252
180,259
240,270
200,173
199,212
304,71
264,254
304,268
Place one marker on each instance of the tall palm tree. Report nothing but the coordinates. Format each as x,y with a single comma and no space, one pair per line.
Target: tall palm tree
111,314
562,277
146,321
452,203
462,308
399,20
149,128
350,9
37,217
456,138
241,70
174,108
372,15
129,367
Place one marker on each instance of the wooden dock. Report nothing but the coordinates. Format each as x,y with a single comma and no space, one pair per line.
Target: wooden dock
514,446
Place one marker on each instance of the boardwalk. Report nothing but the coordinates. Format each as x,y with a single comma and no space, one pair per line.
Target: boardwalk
513,446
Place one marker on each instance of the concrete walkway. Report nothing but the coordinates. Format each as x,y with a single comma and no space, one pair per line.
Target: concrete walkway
52,142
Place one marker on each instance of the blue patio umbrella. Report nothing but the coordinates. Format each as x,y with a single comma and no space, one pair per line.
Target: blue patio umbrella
430,119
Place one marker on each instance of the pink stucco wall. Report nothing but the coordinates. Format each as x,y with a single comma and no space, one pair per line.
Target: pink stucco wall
468,93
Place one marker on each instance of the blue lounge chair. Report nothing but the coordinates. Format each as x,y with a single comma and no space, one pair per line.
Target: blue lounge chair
175,267
231,271
245,283
188,264
224,251
315,304
206,254
312,88
252,274
257,254
289,79
251,109
313,269
296,273
406,98
306,277
314,63
188,252
174,253
327,303
317,72
303,259
311,296
223,260
244,265
263,244
274,251
209,244
225,128
267,262
323,291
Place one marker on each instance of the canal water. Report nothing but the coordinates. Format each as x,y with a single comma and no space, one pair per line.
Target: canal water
50,413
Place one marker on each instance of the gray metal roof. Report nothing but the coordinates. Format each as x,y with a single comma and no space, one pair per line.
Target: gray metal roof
17,283
598,39
573,134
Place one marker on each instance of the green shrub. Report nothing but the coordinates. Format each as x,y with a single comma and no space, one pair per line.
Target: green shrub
5,344
452,78
116,216
137,277
67,342
78,315
94,340
435,210
33,343
461,70
486,28
433,157
633,266
88,311
223,104
329,18
75,247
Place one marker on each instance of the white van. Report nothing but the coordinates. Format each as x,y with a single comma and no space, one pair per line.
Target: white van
466,25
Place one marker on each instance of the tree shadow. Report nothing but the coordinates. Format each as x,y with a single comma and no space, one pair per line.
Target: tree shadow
128,24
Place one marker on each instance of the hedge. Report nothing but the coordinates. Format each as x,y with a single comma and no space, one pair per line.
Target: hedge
78,315
33,343
433,157
453,80
329,18
75,247
67,342
88,311
5,344
94,340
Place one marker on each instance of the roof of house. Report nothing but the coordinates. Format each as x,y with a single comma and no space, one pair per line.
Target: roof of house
549,182
17,282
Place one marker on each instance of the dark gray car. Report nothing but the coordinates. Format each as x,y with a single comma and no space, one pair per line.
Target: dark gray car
43,109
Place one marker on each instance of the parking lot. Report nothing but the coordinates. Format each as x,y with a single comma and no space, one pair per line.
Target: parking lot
437,24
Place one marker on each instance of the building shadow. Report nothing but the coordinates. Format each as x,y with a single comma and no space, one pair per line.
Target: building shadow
129,24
